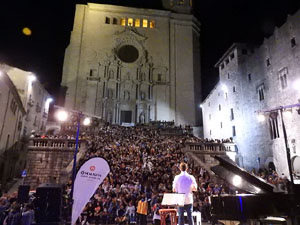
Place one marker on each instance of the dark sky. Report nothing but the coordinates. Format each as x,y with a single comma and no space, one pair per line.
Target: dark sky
223,22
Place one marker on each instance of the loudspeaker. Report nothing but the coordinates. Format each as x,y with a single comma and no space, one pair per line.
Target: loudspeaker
23,194
48,203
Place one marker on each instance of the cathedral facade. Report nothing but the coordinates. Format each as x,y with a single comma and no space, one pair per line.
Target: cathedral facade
130,65
258,95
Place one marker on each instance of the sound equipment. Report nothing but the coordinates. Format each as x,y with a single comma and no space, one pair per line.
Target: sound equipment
23,194
48,203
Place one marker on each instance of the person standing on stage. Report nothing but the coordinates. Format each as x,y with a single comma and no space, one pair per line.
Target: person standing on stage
184,183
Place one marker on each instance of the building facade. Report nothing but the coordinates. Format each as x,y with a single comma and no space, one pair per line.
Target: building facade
35,99
134,65
12,113
252,82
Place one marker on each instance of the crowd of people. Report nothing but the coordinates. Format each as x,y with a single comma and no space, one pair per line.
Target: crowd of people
13,213
143,165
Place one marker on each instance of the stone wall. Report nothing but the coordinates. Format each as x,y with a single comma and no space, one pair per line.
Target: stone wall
47,160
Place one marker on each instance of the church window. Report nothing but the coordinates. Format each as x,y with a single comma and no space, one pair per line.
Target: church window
231,56
249,76
268,62
115,21
283,77
209,132
222,66
107,20
137,23
260,91
228,76
123,22
219,107
209,116
145,23
293,42
208,104
233,89
152,24
221,125
273,125
227,61
130,22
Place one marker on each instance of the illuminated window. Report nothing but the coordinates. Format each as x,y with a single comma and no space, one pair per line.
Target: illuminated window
123,22
145,23
130,22
152,24
137,23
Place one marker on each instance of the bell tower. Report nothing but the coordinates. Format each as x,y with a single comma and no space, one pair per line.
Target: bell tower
178,6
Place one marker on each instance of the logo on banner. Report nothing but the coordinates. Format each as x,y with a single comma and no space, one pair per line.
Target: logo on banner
92,168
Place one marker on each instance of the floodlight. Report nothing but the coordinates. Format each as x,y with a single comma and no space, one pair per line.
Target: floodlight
261,117
61,115
87,121
49,100
31,78
236,180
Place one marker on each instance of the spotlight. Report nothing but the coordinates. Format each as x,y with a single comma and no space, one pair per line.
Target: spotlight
236,180
31,78
201,106
61,115
261,117
87,121
49,100
224,88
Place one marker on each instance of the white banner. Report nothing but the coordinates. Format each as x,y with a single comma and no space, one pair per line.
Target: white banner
88,179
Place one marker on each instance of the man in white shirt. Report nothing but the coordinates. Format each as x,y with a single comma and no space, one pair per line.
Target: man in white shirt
184,183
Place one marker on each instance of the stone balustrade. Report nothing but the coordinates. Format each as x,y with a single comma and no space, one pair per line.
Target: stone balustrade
211,147
53,143
49,160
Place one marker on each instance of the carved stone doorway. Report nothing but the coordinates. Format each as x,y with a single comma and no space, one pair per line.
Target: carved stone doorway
126,116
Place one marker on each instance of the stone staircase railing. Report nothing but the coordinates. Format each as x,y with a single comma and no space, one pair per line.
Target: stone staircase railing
207,147
59,144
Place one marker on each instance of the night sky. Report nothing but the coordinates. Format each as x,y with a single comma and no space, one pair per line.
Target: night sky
223,22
